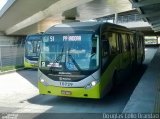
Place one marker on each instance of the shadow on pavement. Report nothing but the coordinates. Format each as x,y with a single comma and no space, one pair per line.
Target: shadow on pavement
114,101
30,75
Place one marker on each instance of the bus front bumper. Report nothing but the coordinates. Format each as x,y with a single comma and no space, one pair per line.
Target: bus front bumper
70,92
30,65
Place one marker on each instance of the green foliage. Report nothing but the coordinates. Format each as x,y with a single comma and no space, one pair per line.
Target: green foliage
7,68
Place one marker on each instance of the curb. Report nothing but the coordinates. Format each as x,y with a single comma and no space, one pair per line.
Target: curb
10,71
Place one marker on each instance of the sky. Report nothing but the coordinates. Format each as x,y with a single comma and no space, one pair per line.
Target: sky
2,3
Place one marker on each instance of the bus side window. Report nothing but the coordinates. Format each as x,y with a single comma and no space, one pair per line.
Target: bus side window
117,43
120,43
112,42
105,48
125,43
132,42
128,47
105,45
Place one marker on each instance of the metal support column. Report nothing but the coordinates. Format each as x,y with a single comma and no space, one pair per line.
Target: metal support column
0,60
116,18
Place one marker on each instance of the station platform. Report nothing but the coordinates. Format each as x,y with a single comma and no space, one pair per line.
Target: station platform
146,96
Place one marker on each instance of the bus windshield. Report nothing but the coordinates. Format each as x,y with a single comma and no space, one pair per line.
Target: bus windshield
73,52
32,46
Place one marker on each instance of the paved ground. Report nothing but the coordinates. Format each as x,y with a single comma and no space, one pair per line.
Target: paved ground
19,94
145,96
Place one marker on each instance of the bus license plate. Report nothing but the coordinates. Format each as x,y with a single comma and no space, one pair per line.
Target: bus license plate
63,92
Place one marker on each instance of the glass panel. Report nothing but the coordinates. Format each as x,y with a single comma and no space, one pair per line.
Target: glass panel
70,52
112,42
33,46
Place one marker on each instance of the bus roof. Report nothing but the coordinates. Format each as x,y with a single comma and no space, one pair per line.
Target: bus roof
34,36
75,27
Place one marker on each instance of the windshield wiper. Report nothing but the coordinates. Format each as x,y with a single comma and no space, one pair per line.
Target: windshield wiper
59,57
74,62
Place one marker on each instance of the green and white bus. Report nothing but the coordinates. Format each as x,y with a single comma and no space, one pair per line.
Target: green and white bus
32,50
85,59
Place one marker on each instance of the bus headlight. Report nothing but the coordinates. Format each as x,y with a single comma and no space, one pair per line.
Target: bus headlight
42,80
92,84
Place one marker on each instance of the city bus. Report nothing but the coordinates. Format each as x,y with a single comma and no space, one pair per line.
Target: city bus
32,50
85,59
